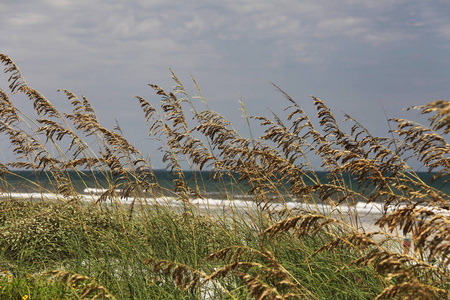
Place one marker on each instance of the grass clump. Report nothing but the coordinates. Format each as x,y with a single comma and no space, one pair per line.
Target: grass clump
41,232
298,236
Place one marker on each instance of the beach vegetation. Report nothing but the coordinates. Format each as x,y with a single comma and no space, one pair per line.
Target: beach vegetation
103,226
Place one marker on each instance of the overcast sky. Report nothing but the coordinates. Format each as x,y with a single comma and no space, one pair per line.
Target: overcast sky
355,55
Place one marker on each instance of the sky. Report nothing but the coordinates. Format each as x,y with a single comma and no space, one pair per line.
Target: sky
356,56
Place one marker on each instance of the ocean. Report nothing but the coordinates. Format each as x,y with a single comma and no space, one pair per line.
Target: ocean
218,197
82,181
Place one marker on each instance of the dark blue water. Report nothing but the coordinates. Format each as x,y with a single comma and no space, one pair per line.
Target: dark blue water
28,181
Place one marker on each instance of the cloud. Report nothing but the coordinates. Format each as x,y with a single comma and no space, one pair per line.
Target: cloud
27,19
386,37
445,31
111,49
346,26
293,29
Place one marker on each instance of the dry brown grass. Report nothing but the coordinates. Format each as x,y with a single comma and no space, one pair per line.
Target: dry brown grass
281,155
90,290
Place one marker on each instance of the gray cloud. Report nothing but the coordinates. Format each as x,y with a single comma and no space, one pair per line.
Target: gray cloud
351,53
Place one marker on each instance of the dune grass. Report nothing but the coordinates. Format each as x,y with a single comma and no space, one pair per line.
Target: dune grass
158,252
87,247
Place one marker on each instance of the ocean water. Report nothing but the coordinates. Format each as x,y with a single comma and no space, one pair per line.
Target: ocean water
29,181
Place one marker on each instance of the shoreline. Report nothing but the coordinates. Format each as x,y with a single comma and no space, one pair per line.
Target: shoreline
368,213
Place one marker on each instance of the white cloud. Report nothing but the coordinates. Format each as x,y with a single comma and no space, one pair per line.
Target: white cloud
445,31
250,7
380,38
229,36
58,3
346,26
27,19
151,3
415,24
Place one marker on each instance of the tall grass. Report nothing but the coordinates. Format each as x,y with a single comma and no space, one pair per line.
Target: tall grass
151,249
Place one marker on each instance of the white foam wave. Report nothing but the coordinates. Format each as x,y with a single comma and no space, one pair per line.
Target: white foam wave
97,191
93,194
